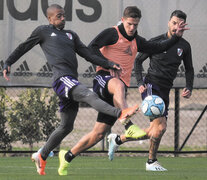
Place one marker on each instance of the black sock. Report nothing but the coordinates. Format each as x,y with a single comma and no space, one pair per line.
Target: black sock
44,158
69,156
118,140
128,125
150,161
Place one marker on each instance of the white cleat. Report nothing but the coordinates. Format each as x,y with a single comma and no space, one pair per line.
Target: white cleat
39,163
113,146
155,167
35,158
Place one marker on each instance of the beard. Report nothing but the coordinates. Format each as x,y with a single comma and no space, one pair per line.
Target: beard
61,26
172,32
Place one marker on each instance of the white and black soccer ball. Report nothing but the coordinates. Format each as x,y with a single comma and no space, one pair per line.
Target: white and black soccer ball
153,106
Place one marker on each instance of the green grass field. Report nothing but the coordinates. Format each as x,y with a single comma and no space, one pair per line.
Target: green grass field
98,168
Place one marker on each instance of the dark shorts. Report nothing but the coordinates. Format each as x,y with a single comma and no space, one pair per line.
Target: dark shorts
100,87
153,89
63,88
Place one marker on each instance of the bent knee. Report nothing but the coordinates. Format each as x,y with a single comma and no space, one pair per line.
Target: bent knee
116,86
156,132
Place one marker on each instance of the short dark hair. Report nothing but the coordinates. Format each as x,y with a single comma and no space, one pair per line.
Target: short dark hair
132,11
53,6
180,14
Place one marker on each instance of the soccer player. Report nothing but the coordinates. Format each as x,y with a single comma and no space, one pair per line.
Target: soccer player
120,44
60,47
162,71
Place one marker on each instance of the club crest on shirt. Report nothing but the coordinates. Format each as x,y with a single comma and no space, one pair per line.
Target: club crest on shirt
69,36
179,51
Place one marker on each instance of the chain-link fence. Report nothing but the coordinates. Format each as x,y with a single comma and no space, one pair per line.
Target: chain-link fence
29,115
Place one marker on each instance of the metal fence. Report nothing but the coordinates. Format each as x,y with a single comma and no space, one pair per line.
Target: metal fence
186,131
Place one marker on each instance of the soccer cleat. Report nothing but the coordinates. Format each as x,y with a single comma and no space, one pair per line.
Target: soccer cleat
113,146
134,132
155,166
39,162
62,170
127,113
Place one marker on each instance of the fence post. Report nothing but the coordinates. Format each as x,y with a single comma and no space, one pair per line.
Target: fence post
177,119
103,144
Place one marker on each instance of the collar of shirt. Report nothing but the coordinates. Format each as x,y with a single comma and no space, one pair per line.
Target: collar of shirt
52,26
123,32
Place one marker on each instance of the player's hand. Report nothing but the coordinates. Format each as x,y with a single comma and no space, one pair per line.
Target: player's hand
6,71
186,93
181,28
115,73
142,88
116,67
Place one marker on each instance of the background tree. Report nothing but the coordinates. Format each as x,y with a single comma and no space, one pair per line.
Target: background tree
33,116
5,139
24,117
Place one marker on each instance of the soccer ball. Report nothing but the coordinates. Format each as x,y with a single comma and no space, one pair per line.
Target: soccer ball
153,106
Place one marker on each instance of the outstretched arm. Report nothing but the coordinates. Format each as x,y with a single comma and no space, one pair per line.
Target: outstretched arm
21,50
154,47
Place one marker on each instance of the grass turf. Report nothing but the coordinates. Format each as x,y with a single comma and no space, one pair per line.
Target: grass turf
99,168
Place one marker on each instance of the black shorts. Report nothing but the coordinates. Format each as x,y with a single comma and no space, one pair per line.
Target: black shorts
153,89
100,87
